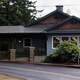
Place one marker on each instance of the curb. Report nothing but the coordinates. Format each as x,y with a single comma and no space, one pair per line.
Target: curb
59,65
44,64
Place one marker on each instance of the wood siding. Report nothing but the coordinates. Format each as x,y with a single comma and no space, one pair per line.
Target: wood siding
69,26
51,20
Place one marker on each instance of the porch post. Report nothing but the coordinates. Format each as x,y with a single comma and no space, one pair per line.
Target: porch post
12,54
13,50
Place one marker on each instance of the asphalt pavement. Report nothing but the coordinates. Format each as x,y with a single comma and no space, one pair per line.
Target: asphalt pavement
39,72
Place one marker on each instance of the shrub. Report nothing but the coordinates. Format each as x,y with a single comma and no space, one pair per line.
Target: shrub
51,58
67,51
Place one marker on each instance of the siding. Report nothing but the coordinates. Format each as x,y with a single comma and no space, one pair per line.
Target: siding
70,26
49,45
40,43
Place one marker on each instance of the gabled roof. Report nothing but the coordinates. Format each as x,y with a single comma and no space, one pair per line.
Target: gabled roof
54,13
51,28
41,28
55,28
74,19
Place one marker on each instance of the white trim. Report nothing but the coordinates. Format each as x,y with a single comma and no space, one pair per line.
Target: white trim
60,39
24,42
78,41
66,36
52,41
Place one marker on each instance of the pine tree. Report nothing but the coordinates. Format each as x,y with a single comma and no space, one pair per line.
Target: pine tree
17,12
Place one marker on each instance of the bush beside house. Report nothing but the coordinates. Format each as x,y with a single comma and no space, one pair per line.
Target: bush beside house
67,52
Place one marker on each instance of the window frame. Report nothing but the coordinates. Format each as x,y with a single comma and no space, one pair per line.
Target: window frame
53,42
78,42
24,42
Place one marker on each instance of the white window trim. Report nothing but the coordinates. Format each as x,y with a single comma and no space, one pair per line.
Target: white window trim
66,36
52,41
24,42
78,44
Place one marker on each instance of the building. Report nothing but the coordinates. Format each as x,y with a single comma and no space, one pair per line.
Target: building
43,36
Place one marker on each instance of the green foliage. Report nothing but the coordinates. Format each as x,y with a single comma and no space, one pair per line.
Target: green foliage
51,58
17,12
67,52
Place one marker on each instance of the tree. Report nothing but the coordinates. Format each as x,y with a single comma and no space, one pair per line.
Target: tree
17,12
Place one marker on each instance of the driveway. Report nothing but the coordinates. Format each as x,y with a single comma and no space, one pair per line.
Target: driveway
38,72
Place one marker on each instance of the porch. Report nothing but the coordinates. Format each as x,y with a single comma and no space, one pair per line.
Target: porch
22,47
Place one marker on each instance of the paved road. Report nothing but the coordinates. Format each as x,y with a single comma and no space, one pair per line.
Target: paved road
37,72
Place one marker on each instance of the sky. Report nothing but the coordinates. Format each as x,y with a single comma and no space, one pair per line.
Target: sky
71,7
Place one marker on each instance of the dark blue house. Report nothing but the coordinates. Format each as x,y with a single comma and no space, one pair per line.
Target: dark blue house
41,37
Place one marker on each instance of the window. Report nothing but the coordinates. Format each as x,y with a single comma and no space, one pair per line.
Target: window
27,42
19,42
74,38
78,42
56,41
65,38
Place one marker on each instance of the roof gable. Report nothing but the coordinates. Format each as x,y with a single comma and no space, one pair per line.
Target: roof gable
72,23
56,15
